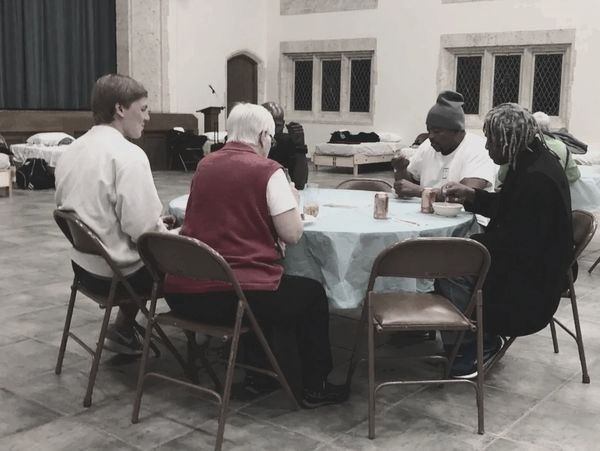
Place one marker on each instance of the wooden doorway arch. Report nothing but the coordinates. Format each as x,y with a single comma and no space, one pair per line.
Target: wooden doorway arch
242,80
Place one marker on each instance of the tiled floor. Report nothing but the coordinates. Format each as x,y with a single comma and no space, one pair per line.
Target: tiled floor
534,398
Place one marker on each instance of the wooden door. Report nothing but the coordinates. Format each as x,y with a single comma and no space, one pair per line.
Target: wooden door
241,81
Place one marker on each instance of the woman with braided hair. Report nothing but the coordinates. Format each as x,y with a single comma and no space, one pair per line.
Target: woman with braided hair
530,236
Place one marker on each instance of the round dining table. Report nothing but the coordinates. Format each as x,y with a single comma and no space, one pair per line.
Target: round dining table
340,246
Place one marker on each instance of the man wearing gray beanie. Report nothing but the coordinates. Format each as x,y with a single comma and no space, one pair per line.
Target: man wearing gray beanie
449,155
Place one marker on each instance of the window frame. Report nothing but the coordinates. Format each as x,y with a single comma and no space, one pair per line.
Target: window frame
529,43
344,115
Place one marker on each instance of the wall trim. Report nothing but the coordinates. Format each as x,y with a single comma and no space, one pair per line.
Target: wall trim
294,7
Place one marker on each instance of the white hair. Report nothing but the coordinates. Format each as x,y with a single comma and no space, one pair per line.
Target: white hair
543,120
247,121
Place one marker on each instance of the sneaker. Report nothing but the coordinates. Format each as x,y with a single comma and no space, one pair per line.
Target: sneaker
120,343
329,394
465,364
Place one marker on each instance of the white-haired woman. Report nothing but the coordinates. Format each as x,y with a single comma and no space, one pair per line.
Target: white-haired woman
530,234
242,205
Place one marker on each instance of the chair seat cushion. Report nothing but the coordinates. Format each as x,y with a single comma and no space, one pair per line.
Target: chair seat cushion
416,311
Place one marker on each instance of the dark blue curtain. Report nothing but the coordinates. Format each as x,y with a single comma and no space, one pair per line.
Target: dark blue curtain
52,52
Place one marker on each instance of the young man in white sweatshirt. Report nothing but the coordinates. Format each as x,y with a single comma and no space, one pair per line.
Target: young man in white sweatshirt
107,181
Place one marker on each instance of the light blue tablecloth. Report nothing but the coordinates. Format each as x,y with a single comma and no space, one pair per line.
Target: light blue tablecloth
340,247
585,192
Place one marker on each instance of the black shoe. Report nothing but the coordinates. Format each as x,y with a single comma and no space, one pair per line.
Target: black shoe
258,384
465,364
120,343
329,394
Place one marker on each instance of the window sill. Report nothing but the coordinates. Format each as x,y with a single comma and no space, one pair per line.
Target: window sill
306,117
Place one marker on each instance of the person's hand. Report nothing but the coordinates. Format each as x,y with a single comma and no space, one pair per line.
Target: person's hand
405,188
399,163
169,221
457,192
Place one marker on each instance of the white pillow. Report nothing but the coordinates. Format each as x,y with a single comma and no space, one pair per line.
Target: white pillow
389,137
4,161
50,139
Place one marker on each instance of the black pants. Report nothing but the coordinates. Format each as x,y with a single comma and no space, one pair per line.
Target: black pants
140,281
295,316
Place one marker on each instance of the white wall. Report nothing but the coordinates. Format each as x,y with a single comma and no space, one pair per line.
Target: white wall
203,34
408,50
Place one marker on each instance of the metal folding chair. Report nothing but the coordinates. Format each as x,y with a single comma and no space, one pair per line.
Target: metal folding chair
166,253
367,185
584,228
86,241
405,311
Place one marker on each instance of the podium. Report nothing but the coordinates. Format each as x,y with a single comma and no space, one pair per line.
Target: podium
211,118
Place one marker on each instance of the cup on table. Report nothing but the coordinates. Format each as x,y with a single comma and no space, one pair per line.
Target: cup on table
310,199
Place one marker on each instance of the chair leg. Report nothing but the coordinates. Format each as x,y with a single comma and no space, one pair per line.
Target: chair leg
182,163
554,337
594,265
135,416
585,377
371,359
480,372
142,331
65,335
87,401
355,356
229,379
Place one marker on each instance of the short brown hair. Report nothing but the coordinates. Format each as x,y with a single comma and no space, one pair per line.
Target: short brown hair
111,89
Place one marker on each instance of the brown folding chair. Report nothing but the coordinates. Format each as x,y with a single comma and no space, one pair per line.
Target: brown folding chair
407,311
366,185
584,228
167,253
86,241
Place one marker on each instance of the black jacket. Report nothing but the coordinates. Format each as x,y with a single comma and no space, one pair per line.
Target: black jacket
530,240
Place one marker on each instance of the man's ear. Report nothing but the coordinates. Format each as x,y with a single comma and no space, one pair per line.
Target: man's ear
119,110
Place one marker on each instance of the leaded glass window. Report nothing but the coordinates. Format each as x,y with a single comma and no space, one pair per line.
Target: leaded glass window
468,81
507,74
360,85
303,77
330,85
547,77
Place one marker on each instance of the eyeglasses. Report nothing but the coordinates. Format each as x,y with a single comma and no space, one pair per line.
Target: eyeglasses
273,140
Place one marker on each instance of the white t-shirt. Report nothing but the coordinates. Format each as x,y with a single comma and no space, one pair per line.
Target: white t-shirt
469,160
279,194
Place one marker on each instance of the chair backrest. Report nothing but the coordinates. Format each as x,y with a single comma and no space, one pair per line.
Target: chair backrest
79,234
82,237
584,228
432,258
183,256
366,185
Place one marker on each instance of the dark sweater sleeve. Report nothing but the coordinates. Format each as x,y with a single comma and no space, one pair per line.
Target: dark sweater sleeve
529,223
485,203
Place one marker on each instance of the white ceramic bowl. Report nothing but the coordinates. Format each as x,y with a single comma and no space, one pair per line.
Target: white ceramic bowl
446,208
